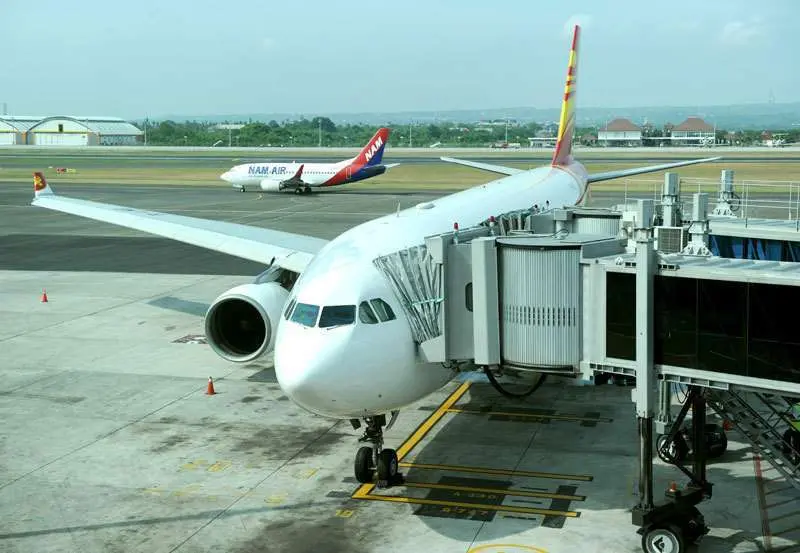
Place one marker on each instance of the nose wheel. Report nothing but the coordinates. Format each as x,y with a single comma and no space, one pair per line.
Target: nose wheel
374,463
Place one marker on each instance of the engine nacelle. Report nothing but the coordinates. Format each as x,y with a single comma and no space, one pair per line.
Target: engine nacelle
270,185
241,324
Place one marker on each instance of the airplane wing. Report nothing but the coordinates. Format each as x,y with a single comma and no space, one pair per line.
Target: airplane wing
485,166
608,175
290,251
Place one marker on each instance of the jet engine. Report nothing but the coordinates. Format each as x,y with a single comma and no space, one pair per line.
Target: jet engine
271,185
241,323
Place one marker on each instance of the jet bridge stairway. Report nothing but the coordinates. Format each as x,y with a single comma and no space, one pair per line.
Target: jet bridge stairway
764,421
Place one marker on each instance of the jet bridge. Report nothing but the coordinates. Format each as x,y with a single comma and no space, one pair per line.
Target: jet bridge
576,292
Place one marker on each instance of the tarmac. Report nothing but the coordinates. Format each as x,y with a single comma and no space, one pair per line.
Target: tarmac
110,442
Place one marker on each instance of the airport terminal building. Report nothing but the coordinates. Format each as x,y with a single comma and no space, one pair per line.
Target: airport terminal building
67,131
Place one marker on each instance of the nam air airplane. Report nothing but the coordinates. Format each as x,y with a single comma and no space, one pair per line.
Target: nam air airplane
302,177
342,342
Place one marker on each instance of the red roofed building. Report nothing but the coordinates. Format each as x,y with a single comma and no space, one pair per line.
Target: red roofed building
620,132
693,131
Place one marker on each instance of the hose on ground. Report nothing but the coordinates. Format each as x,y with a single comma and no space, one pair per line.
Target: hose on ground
496,385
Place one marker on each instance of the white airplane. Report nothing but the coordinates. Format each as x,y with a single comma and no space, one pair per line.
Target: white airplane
342,342
275,177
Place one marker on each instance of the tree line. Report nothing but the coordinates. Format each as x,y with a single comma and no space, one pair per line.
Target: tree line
321,131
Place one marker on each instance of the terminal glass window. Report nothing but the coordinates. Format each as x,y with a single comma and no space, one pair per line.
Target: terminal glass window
366,315
382,309
675,321
722,326
305,314
773,344
337,315
621,315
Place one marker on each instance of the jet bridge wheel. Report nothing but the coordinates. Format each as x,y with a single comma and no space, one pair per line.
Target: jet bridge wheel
663,539
363,465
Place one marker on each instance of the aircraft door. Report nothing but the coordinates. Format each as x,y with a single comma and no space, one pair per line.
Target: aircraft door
347,172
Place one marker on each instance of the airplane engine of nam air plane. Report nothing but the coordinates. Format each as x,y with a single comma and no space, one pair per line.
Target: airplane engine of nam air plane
241,324
271,185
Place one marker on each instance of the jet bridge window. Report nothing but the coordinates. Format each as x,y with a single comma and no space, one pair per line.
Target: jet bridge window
305,314
382,309
337,315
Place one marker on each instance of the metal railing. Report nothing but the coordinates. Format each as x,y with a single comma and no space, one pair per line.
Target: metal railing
769,199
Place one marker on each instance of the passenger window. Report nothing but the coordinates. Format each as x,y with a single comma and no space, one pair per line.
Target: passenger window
365,314
337,315
468,298
289,309
382,309
305,314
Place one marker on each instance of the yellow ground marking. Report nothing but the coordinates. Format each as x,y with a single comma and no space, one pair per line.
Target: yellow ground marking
531,415
412,441
219,466
306,474
504,548
276,499
494,491
345,513
468,506
502,472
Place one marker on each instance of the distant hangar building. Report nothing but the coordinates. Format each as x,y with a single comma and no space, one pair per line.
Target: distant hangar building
68,131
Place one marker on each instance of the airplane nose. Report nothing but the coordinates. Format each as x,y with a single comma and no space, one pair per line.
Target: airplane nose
303,369
227,176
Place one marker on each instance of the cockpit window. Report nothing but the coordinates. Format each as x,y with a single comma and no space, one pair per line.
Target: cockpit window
337,315
305,314
382,309
366,315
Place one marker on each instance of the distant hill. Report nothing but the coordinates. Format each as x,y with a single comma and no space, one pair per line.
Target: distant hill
732,117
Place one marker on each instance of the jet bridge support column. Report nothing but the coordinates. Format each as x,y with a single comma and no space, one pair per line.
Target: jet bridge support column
644,393
676,524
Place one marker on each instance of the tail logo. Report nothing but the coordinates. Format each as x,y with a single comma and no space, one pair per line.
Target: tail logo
372,150
38,182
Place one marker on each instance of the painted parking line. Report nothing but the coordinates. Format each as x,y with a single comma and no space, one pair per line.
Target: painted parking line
500,472
497,491
535,416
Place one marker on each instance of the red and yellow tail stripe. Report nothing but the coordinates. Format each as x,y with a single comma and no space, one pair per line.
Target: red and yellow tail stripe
566,125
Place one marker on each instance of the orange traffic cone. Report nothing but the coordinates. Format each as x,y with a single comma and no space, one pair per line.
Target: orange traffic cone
44,296
210,390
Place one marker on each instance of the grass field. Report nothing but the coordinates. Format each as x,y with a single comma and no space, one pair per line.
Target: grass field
167,167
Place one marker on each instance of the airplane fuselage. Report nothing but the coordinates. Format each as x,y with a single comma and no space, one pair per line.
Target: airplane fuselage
355,370
314,174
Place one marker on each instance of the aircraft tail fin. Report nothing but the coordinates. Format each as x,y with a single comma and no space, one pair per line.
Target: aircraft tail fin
40,186
372,153
566,124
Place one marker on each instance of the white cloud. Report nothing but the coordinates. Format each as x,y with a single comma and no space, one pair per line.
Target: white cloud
740,33
582,19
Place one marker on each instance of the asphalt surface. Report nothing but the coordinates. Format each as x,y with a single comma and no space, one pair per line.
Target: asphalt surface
37,239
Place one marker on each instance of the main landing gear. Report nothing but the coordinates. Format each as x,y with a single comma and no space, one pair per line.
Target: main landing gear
302,190
375,462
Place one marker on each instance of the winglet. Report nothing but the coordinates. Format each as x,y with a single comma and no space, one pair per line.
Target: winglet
40,186
566,125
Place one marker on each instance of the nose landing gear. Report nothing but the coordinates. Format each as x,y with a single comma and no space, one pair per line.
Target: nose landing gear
375,462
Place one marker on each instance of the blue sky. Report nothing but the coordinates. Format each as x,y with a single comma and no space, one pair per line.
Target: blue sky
148,57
